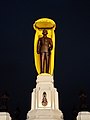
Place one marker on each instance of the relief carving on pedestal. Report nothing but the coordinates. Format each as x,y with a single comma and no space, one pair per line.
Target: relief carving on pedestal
44,100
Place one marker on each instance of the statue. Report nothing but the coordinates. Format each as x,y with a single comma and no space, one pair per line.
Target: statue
4,102
44,47
44,100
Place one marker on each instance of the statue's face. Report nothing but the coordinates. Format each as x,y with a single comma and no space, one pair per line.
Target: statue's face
44,32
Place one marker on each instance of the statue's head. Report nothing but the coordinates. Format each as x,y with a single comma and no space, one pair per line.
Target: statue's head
44,32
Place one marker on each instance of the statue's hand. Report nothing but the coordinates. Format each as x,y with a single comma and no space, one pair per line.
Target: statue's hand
38,52
50,48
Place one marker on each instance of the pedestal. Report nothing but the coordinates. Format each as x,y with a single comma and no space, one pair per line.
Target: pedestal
5,116
85,115
44,103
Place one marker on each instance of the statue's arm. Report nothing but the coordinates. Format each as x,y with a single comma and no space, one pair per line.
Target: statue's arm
38,46
51,44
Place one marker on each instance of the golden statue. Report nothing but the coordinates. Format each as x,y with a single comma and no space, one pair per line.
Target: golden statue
44,45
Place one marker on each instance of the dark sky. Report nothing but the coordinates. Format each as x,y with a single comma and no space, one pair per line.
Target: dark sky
72,55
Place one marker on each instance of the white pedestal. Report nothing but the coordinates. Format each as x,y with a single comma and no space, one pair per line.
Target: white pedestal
44,114
5,116
83,115
44,103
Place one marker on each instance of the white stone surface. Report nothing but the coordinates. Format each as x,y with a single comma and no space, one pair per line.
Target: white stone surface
5,116
45,114
44,83
85,115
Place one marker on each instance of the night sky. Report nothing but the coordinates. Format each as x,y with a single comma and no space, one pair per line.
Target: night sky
72,52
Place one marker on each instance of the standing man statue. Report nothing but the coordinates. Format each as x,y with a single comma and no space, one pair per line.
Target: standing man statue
44,47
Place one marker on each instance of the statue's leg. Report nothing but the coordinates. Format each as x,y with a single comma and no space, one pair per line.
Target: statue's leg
42,59
47,62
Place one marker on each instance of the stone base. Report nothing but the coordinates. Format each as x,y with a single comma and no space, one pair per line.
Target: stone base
44,84
83,115
44,100
42,114
5,116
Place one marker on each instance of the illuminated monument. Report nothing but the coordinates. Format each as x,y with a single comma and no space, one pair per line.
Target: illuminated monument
44,101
